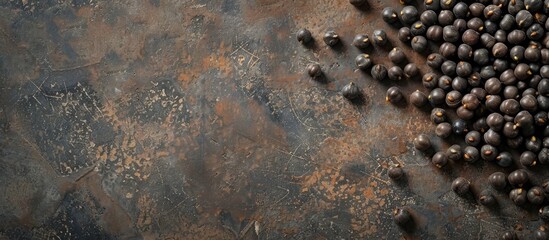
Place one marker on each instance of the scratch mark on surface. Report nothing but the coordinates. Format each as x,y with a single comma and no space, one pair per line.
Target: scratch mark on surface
94,102
292,155
198,6
87,171
33,96
492,224
74,68
246,229
295,114
285,195
375,177
289,153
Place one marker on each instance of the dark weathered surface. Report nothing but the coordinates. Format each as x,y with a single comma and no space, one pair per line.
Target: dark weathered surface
195,120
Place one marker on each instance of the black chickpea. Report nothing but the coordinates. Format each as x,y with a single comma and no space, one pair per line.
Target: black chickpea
350,91
394,95
361,41
304,36
486,198
419,99
396,55
314,70
380,37
363,61
379,72
331,38
498,180
489,86
396,173
422,142
389,15
402,217
461,186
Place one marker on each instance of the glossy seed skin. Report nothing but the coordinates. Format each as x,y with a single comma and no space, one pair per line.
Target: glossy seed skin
470,101
504,159
304,36
453,99
432,4
435,60
396,173
437,97
379,72
473,138
488,153
461,186
535,195
389,15
394,95
443,130
409,14
314,70
434,33
362,41
471,154
498,180
544,213
402,217
396,55
518,178
460,127
528,159
395,73
419,44
331,38
438,115
422,142
510,107
429,18
380,37
454,153
486,198
404,34
411,70
541,233
492,13
543,156
518,196
545,186
509,236
363,62
418,99
495,121
440,159
429,80
351,91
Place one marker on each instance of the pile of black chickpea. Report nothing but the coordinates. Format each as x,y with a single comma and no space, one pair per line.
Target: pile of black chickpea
488,85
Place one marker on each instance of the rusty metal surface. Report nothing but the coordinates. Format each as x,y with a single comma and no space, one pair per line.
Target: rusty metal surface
194,120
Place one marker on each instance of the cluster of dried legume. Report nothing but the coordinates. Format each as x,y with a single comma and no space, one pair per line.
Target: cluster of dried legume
489,84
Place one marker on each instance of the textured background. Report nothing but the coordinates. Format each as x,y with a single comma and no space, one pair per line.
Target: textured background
194,120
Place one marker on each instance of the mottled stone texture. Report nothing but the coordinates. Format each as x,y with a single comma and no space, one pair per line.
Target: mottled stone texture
167,119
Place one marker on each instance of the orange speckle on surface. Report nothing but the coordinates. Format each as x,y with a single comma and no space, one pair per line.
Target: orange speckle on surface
227,110
162,154
352,190
218,60
369,193
384,191
128,160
